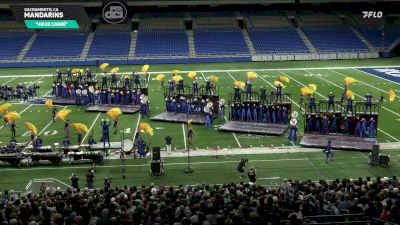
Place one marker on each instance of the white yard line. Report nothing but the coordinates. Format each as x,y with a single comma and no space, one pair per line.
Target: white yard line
388,135
91,127
44,129
137,126
173,164
237,140
372,73
184,135
9,81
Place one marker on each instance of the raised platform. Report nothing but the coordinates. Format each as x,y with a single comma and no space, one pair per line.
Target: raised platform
179,117
100,147
105,107
62,101
338,142
254,128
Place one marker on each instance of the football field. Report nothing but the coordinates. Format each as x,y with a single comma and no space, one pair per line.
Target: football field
327,75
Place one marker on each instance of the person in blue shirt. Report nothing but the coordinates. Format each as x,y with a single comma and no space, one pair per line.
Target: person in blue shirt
372,128
293,134
180,87
285,116
248,114
69,74
208,87
309,125
89,75
136,78
91,141
278,93
381,99
328,152
222,111
331,101
195,88
368,103
66,143
113,80
312,104
263,94
106,131
243,113
79,77
59,76
170,87
237,93
141,147
127,83
325,125
346,126
39,142
349,106
318,124
13,143
104,82
334,125
80,137
248,90
363,127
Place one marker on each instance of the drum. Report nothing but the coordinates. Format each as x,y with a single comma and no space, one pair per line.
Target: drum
127,146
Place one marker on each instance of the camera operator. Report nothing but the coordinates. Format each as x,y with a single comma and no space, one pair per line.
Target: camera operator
107,182
90,178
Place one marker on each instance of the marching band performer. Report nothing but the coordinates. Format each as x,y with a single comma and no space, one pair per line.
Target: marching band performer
222,109
180,87
116,125
334,125
208,87
248,89
69,74
53,113
368,102
89,75
263,94
104,81
106,132
79,77
279,93
80,137
66,128
237,93
13,129
331,101
312,104
372,128
136,79
349,106
293,131
66,143
195,88
59,76
113,80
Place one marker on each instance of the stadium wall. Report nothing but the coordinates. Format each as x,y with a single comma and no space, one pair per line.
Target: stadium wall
121,62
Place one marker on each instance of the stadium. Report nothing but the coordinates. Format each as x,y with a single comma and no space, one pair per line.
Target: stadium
199,112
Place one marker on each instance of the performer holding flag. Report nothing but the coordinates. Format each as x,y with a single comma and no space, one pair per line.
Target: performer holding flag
368,103
105,125
331,101
114,114
66,128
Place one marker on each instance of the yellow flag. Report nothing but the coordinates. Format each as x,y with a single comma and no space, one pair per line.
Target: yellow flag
251,75
239,84
31,128
115,70
76,70
313,87
350,80
11,116
4,108
145,68
350,94
306,91
284,78
49,103
177,78
114,112
160,77
213,78
175,72
391,95
80,127
192,75
145,127
103,66
63,113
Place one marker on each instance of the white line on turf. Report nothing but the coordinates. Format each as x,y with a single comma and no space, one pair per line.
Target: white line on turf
397,114
137,126
217,71
184,135
9,81
173,164
44,129
91,127
372,73
388,135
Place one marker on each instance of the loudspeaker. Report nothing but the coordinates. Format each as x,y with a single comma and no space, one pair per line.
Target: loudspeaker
375,153
156,153
384,159
155,167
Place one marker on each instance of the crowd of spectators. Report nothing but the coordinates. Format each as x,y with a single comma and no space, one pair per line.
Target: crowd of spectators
292,202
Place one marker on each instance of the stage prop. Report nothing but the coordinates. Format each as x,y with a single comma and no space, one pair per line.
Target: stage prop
254,128
341,142
179,117
129,109
157,163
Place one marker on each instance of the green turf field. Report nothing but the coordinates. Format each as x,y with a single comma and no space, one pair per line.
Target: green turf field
307,165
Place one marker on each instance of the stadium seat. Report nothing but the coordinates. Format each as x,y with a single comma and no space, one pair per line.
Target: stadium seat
110,43
334,38
12,42
57,44
162,42
219,41
273,40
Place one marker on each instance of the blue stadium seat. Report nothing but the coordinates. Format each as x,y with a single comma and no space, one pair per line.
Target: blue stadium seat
162,42
219,41
276,40
57,44
110,43
334,38
12,42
